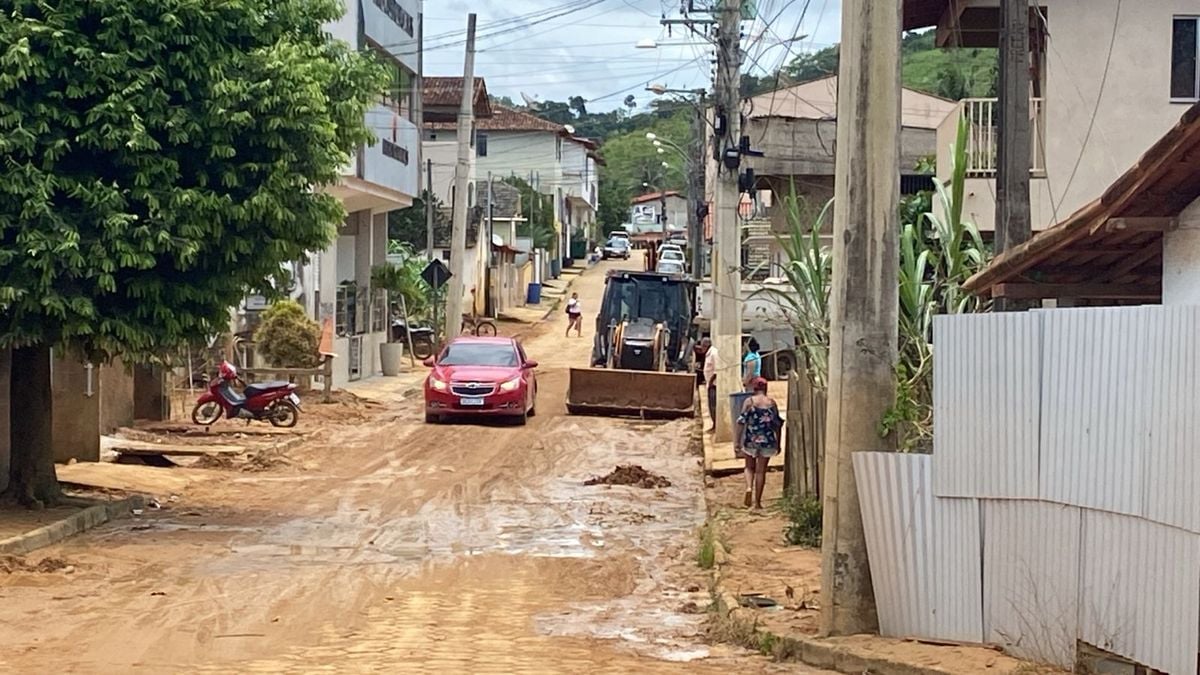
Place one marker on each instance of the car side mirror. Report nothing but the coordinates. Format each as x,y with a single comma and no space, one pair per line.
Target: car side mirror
429,362
530,365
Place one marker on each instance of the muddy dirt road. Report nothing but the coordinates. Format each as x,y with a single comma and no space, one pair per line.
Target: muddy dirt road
400,547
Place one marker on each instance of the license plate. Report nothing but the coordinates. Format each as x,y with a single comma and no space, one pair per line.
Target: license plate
294,399
474,400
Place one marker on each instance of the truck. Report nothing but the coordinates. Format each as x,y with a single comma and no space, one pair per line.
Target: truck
764,318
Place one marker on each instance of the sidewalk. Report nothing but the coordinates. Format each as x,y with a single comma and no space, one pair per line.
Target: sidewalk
753,564
382,389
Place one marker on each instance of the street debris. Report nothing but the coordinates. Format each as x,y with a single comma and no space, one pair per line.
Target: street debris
630,474
10,564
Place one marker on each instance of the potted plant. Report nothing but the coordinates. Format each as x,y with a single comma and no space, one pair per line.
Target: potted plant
392,280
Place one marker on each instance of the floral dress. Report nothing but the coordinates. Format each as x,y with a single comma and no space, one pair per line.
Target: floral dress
762,430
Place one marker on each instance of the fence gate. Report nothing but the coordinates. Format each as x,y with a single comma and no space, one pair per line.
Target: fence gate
354,362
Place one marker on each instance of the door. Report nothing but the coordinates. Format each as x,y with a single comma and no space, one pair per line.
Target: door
354,362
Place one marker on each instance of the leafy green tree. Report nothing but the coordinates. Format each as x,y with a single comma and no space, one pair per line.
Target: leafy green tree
408,225
160,159
631,159
538,211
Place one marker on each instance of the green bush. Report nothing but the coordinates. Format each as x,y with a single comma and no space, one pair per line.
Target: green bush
804,521
287,338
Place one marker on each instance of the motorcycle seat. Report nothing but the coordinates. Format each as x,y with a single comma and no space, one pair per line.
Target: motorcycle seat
258,388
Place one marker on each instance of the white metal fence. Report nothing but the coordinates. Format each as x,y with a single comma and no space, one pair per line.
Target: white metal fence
1073,434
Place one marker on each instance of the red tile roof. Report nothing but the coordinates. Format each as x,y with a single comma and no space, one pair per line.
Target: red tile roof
654,196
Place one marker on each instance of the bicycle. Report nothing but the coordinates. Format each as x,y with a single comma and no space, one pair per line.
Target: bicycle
476,325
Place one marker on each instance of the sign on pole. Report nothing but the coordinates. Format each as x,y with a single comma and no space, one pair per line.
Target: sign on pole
436,274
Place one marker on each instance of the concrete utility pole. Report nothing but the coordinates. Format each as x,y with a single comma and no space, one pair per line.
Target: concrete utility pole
1013,224
696,192
429,209
419,120
863,297
458,234
727,239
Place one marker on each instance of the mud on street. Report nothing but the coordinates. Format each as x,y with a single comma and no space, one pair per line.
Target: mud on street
391,545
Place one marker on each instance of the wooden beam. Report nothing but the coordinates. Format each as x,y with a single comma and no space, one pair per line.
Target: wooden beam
949,27
1135,261
1092,291
1155,224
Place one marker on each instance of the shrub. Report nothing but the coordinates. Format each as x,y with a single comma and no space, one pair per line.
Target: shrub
804,521
287,338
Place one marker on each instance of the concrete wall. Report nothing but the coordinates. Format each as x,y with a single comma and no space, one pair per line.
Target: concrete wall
5,442
116,396
807,147
76,415
517,153
1132,111
150,401
1181,260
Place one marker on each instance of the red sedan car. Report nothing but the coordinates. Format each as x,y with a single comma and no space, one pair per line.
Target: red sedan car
486,376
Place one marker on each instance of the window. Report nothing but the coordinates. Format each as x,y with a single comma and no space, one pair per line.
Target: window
1185,76
558,148
400,91
481,141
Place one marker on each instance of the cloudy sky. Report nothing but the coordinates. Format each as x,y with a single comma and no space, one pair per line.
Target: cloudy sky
555,49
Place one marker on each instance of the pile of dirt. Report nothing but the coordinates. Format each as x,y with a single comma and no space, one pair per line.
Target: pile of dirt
218,462
11,563
630,474
267,460
345,407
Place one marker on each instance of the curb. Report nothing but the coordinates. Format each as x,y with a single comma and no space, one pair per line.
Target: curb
93,515
735,619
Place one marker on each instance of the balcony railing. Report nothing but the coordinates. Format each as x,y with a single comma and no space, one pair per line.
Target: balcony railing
983,136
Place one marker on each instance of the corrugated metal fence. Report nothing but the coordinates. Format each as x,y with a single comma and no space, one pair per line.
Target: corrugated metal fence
1060,503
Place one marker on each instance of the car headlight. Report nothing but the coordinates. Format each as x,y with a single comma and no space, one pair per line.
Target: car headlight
511,385
437,384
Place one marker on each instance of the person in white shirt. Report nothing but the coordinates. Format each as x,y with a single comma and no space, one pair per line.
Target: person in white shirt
711,363
574,316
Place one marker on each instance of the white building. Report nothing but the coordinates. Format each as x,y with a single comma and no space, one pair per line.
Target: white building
648,209
557,163
380,178
1108,79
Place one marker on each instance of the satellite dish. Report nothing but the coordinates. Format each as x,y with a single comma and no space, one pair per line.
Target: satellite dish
530,101
570,129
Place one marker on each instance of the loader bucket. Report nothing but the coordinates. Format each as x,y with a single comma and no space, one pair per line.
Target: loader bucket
601,391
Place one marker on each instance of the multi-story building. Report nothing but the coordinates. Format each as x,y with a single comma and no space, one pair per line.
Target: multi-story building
336,283
1108,79
558,164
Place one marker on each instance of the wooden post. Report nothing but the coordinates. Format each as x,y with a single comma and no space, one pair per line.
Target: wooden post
327,376
864,303
1013,221
793,458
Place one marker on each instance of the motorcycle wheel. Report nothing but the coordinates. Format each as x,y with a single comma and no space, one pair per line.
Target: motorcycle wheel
206,413
284,414
422,349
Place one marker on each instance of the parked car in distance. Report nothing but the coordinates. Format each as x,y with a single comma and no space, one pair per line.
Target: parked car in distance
669,267
619,234
617,247
481,376
672,253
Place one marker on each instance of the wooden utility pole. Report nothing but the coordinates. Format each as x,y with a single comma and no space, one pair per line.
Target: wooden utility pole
727,240
863,297
696,191
419,119
1013,224
458,234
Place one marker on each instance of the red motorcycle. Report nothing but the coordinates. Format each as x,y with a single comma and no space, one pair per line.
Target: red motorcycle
275,402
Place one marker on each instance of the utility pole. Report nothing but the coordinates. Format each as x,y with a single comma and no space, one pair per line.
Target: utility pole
864,302
419,118
458,234
1013,224
429,209
727,249
696,190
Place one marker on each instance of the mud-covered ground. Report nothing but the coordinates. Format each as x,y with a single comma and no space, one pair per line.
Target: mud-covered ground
387,545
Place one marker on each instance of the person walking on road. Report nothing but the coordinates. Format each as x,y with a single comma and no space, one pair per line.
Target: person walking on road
712,359
752,364
757,438
574,316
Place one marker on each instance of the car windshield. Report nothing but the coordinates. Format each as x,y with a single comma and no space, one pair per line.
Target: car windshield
617,243
479,354
672,254
670,268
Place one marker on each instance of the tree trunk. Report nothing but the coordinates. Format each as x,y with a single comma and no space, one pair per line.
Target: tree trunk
34,482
